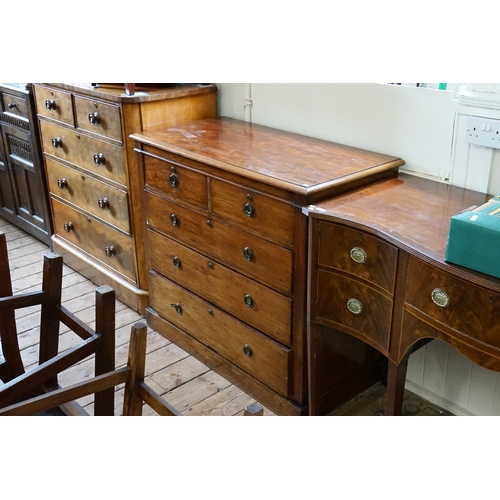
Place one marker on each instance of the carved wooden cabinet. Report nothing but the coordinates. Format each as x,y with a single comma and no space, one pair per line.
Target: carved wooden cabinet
227,244
93,178
24,198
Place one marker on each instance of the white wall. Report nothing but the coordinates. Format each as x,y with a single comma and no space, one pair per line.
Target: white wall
426,128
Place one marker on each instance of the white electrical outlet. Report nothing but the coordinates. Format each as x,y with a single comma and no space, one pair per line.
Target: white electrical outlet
483,132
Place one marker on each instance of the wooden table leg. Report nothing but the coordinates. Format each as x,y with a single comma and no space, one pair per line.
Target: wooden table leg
396,378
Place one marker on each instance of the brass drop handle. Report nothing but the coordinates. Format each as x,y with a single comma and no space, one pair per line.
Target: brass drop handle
57,142
94,118
110,251
176,261
50,104
355,306
62,183
175,220
12,105
247,350
248,300
174,180
103,203
68,227
248,253
248,209
99,159
440,297
358,255
178,308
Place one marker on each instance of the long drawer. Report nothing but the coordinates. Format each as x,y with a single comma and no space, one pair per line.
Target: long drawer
102,158
263,358
252,256
100,199
246,299
109,247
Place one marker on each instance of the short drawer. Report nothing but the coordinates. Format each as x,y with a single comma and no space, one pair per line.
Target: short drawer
359,254
257,213
104,159
175,182
454,303
98,117
105,202
109,247
15,105
54,104
253,303
252,256
258,355
354,307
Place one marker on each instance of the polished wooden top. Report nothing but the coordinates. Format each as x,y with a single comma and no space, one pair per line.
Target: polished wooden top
294,162
409,211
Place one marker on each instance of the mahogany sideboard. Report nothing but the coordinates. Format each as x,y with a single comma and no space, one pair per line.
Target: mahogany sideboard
377,272
226,245
93,178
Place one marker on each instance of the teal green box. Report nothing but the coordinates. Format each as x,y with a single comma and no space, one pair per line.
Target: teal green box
474,239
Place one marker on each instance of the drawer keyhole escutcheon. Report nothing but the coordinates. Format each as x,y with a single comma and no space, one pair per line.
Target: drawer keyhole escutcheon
57,142
103,203
68,227
358,255
355,306
440,297
110,251
174,181
176,261
247,350
174,219
62,183
177,307
248,253
248,300
248,209
99,159
94,118
50,104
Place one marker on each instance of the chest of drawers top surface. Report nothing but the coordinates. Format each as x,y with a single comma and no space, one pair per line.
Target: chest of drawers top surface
293,162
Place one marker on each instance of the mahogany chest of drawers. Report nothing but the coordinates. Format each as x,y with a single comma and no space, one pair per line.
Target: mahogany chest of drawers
226,244
92,175
24,198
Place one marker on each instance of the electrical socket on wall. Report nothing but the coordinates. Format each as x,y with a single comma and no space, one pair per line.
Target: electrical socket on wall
483,132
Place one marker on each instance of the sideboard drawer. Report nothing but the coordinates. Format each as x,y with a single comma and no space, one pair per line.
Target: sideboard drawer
256,304
262,215
14,105
248,254
54,104
359,254
176,182
110,247
454,303
98,117
100,199
102,158
354,306
263,358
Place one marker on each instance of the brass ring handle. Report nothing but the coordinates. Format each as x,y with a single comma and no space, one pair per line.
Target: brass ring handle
358,255
173,179
56,142
50,104
176,261
103,203
99,159
248,300
248,209
247,350
110,251
355,306
94,118
174,219
62,183
68,227
440,297
178,308
248,253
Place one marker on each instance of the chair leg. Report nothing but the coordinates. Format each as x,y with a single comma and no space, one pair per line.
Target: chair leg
104,403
